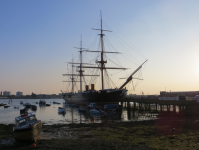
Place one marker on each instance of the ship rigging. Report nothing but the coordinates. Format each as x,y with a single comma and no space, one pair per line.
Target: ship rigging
92,95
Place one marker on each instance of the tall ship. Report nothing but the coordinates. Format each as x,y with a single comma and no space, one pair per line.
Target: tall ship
91,95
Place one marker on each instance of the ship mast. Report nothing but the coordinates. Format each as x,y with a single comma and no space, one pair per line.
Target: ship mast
80,71
102,61
72,78
102,58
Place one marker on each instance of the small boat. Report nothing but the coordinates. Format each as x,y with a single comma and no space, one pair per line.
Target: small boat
27,127
42,102
61,110
112,107
6,106
2,104
74,105
48,105
16,107
92,105
27,105
21,102
55,102
82,110
36,103
95,111
34,107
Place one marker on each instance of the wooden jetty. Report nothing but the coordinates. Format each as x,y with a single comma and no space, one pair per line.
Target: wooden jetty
161,102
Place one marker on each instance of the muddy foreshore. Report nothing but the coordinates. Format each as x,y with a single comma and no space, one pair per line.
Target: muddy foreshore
167,132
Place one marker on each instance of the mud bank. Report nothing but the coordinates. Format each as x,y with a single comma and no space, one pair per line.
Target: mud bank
168,132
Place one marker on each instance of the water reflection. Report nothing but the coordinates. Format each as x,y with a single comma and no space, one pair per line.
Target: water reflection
50,115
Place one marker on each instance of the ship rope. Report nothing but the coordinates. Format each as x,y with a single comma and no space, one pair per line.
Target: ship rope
126,39
93,78
106,39
111,81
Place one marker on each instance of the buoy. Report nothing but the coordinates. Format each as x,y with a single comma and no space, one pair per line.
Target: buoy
33,145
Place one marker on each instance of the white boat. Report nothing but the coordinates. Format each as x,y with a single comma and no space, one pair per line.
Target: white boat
95,111
27,127
61,110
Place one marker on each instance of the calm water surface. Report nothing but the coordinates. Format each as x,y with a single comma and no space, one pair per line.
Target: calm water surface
50,115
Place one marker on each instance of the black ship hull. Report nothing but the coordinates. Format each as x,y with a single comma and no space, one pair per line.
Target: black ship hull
100,97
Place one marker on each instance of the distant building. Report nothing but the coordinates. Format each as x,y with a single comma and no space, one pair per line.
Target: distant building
6,93
33,95
177,93
19,94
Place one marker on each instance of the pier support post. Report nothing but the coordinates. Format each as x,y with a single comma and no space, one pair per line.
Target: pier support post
156,105
128,104
180,108
174,108
134,105
145,106
160,107
122,104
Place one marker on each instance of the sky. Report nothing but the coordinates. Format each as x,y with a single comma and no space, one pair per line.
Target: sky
37,38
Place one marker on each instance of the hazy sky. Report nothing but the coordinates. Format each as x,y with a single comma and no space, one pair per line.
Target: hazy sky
37,37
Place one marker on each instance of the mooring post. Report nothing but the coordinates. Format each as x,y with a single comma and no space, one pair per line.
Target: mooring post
145,106
174,108
156,105
179,108
128,104
122,104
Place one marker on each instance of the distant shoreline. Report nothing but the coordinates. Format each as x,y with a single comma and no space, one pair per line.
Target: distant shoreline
27,98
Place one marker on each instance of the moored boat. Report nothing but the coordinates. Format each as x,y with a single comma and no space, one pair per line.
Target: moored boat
34,107
55,102
92,105
27,105
61,110
2,104
95,111
42,102
27,127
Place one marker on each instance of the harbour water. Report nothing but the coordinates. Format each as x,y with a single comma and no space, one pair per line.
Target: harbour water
50,115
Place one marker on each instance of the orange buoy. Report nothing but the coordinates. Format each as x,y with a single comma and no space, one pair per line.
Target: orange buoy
33,145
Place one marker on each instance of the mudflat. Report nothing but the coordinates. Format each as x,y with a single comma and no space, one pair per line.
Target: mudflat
170,131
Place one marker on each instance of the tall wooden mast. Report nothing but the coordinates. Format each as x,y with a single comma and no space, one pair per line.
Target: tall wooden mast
102,61
102,58
72,78
80,71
